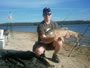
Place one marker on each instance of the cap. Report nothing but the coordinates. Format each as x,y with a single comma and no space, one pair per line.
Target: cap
45,10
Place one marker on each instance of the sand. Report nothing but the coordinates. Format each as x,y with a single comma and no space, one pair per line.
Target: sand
24,41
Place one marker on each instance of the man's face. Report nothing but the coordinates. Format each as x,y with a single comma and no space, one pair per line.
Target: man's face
47,16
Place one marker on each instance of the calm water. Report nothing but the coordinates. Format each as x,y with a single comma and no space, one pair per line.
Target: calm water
79,28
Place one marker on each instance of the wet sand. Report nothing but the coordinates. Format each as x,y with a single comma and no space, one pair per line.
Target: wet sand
24,41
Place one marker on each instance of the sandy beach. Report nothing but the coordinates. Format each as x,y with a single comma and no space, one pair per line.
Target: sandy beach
24,41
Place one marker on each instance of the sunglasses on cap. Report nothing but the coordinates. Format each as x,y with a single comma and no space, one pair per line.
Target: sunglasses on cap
47,14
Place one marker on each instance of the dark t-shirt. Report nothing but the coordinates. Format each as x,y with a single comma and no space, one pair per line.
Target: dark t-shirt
45,28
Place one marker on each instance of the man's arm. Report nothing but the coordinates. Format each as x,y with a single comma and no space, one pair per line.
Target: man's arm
45,39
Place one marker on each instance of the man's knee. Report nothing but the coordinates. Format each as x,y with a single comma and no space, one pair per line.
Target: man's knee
39,50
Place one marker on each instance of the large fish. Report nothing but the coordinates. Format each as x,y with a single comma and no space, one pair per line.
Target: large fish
63,32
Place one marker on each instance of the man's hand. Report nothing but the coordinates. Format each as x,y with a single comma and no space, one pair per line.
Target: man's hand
45,39
67,35
57,36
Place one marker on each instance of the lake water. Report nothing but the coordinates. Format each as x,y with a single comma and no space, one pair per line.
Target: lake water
82,28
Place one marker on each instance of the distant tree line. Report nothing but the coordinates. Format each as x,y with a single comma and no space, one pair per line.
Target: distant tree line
72,22
36,23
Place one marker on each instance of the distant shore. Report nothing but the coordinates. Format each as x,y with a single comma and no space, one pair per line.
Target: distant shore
36,23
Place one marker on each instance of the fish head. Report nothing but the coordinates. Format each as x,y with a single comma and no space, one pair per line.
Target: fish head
50,34
64,28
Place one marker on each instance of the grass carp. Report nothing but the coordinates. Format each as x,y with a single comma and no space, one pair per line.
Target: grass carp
63,32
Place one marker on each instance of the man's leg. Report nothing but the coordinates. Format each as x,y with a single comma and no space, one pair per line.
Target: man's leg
38,49
58,45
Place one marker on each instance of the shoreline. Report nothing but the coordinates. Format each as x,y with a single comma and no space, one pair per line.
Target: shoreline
24,41
36,23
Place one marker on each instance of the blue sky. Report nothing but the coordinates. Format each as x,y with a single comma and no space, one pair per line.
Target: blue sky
31,10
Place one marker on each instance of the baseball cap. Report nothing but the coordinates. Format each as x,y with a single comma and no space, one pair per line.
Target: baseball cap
45,10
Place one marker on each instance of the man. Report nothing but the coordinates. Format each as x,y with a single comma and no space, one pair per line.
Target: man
44,42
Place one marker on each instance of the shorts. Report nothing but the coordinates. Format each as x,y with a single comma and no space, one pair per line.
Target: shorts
46,46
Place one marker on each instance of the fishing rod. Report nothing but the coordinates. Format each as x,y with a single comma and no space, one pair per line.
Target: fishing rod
66,17
10,18
77,43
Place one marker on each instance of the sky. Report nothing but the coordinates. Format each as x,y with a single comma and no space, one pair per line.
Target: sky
31,10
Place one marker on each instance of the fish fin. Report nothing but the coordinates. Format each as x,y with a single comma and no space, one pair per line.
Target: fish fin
64,28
